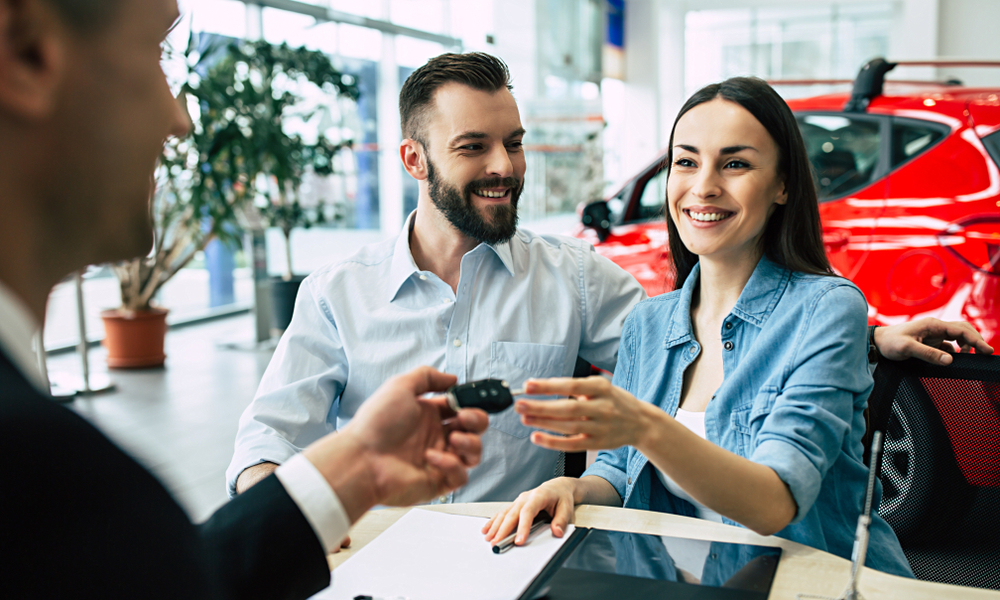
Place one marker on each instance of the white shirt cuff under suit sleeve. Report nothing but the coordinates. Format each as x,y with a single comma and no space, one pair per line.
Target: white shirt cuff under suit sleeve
316,499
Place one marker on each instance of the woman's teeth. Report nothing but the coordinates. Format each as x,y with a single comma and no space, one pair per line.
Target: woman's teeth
705,217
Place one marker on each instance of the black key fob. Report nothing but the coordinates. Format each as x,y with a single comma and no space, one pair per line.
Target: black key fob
491,395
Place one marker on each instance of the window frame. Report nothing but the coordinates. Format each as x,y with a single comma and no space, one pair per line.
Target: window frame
946,130
883,165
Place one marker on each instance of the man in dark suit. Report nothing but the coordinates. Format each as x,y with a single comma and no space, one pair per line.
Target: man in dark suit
84,110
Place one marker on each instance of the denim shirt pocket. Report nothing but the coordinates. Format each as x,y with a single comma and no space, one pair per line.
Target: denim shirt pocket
746,420
516,362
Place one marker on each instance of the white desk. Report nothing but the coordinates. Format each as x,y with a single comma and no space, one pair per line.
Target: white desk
802,569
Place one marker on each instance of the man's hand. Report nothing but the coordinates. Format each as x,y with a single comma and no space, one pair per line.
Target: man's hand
930,340
400,448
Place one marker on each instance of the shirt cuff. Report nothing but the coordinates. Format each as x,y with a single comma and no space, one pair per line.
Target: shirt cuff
316,499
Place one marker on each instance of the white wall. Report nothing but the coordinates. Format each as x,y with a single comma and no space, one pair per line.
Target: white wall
654,46
969,29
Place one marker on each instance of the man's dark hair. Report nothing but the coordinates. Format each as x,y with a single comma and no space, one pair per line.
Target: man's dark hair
477,70
792,237
86,15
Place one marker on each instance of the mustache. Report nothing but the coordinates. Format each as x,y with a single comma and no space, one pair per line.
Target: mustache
494,182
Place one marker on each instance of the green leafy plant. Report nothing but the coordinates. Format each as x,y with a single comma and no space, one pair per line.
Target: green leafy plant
241,97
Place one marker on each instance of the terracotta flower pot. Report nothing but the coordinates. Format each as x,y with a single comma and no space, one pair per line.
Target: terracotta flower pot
134,339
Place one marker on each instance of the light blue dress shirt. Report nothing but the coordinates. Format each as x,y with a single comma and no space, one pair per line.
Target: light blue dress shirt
526,308
793,396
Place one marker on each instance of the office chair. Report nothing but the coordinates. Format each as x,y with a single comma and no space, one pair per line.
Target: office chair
940,469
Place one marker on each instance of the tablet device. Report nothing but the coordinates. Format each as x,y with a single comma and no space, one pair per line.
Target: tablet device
597,563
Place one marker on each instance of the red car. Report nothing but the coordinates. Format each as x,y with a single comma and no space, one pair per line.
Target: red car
908,178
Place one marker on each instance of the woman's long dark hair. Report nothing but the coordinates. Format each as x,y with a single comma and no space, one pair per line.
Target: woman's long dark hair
792,237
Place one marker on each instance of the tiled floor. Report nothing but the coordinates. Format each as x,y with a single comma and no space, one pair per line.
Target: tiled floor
180,421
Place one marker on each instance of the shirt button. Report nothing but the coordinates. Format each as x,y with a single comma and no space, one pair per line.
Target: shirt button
423,278
446,301
443,499
729,325
457,342
728,345
692,350
630,481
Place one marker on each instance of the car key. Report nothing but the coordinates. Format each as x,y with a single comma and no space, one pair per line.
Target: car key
491,395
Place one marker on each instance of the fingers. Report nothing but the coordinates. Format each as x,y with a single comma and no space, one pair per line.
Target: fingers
451,471
467,446
346,543
961,332
568,386
554,409
567,427
926,353
563,515
473,420
493,525
425,379
572,443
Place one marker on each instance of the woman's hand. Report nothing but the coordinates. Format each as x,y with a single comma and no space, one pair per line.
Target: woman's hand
601,418
930,340
555,497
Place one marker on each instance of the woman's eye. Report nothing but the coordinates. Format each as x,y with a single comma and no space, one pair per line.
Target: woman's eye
683,162
737,164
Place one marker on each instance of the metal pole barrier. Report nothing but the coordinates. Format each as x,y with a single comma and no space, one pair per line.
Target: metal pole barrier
100,382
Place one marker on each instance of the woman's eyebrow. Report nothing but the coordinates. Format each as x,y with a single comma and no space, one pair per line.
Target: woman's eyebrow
735,149
687,148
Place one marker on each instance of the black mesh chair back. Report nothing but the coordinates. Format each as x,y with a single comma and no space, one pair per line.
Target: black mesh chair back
940,470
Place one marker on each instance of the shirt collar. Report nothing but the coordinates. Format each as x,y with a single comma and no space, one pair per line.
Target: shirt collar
403,266
756,302
18,331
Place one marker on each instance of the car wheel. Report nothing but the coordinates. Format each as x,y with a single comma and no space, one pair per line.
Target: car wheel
924,492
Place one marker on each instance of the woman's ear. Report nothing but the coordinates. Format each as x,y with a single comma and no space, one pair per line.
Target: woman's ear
782,197
413,155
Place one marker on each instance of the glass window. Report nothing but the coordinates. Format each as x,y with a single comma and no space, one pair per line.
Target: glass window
654,197
992,143
911,139
843,151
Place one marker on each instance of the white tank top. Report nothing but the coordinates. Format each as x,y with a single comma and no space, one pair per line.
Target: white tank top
695,421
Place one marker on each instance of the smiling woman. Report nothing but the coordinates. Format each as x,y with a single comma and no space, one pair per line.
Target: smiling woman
739,396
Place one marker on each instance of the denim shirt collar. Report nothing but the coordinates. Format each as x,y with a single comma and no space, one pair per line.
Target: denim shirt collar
758,298
404,267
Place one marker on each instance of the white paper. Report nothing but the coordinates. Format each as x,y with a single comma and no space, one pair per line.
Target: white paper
430,555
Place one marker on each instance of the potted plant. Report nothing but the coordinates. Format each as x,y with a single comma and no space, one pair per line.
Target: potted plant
238,95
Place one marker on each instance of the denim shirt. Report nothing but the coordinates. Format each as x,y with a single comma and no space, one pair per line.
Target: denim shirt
794,390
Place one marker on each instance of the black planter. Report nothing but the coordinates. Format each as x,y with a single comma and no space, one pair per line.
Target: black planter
283,302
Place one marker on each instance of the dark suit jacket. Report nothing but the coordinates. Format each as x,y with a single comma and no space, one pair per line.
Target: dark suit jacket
81,519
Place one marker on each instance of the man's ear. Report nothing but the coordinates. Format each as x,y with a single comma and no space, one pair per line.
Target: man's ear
32,57
413,155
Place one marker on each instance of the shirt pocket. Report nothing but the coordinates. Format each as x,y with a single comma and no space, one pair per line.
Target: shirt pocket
746,420
516,362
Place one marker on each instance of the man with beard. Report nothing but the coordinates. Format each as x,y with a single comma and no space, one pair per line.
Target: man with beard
461,289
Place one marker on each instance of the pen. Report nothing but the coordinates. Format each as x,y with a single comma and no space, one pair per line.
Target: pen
508,542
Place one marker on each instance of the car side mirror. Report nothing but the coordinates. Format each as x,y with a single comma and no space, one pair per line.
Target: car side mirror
597,216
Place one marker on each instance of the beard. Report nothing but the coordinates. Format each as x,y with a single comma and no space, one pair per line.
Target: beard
500,221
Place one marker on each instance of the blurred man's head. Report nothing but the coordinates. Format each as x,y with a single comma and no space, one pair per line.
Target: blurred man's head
463,138
84,111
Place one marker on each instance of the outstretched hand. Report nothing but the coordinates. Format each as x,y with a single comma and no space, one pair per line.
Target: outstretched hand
601,417
401,448
930,340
